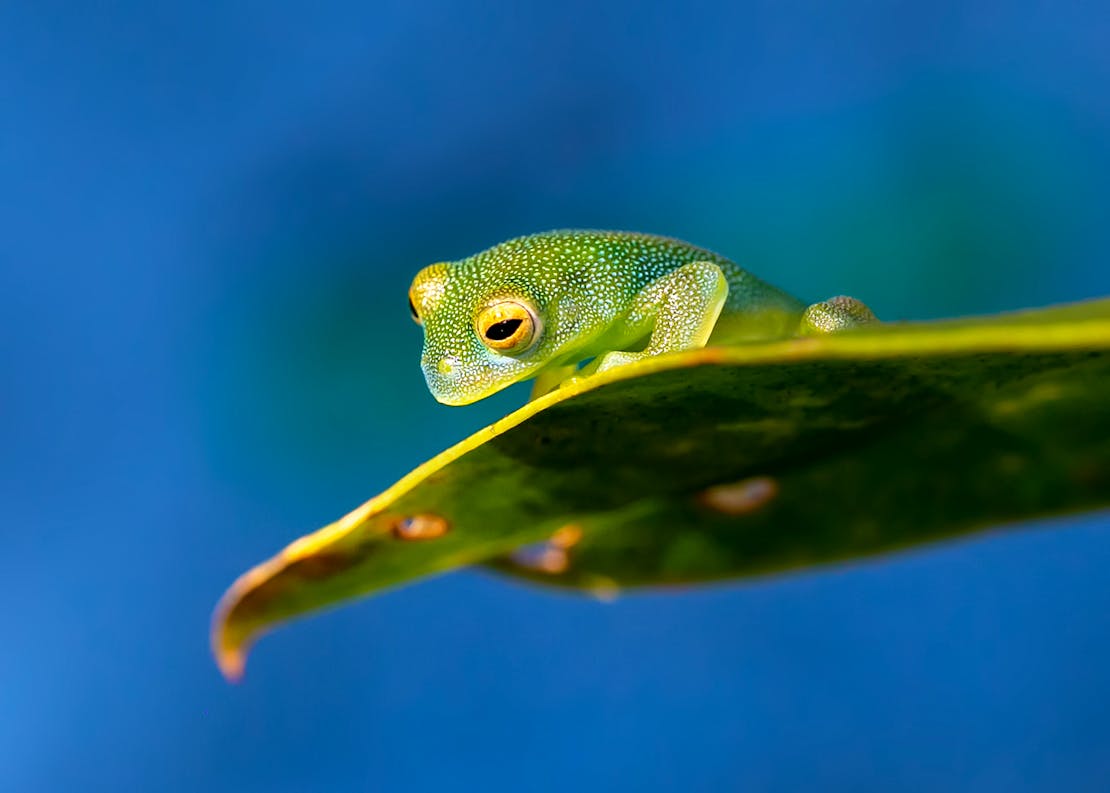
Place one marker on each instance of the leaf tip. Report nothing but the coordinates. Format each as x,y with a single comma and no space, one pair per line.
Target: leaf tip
229,648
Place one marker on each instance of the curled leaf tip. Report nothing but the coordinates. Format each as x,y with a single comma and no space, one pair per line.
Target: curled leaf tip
267,594
232,663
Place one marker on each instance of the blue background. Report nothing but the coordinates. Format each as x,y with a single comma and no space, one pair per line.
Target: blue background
208,221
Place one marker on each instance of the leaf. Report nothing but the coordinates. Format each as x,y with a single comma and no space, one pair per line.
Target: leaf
732,461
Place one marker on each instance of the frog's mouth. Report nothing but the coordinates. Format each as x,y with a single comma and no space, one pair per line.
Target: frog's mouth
456,385
452,398
457,398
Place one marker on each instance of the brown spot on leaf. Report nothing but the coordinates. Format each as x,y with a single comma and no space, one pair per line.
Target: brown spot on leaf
553,556
604,589
542,558
740,498
256,600
549,559
319,565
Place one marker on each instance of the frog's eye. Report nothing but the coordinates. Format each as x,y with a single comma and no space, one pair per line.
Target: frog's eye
413,311
507,326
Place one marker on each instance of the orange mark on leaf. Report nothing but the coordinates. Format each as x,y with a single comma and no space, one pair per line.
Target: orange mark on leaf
425,526
566,536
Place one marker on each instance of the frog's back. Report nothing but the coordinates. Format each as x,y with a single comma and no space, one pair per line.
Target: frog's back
641,256
632,258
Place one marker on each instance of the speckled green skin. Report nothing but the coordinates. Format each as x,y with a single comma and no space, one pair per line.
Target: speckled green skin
611,296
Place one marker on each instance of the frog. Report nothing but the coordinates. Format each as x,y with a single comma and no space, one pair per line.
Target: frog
559,306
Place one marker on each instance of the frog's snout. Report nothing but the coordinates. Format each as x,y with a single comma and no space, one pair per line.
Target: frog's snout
441,373
447,365
440,370
457,378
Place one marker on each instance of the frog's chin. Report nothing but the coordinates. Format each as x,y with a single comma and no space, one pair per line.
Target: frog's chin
456,400
478,388
459,398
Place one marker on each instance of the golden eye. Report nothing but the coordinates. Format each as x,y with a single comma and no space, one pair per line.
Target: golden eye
413,311
507,326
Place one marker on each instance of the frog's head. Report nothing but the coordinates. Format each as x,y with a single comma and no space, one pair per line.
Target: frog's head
477,340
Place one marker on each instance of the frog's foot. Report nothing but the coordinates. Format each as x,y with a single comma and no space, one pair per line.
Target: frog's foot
684,306
680,308
835,314
567,376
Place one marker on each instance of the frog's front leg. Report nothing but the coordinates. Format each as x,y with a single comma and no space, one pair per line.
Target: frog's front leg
681,308
551,378
835,314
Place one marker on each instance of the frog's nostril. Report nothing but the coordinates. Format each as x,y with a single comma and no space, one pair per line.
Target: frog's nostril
447,365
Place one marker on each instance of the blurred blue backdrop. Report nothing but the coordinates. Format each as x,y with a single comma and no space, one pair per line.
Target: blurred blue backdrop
208,221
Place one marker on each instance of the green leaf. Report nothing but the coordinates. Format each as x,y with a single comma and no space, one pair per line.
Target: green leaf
730,462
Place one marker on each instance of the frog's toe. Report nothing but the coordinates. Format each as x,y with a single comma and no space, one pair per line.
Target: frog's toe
835,314
612,360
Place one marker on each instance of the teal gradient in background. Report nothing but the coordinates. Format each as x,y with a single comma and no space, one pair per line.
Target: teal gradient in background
208,221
